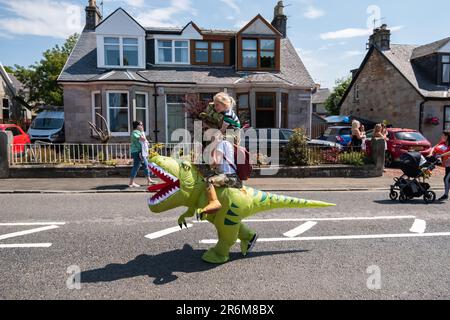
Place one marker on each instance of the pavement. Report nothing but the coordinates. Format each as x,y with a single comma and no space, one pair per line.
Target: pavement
118,185
109,246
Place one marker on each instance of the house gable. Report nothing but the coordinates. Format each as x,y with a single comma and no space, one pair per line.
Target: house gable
445,48
259,26
120,23
379,92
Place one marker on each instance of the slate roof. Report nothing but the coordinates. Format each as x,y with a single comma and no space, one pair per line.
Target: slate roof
400,57
82,67
429,48
321,96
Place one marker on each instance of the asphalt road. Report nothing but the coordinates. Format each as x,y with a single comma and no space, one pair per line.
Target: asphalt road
103,237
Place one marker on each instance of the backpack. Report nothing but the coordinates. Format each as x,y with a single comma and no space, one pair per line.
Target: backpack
241,164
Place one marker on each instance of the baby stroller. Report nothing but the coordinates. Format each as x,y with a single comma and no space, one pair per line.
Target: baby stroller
412,184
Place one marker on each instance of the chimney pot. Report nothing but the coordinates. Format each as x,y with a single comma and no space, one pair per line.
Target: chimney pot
280,19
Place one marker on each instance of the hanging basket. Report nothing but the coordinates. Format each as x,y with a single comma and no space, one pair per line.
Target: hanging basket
432,121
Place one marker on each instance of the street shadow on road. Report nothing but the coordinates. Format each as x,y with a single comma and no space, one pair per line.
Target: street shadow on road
162,267
417,201
112,187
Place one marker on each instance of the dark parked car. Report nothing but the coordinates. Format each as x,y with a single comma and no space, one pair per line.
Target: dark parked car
338,134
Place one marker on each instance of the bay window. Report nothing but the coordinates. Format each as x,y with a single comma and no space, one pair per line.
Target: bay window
173,51
97,108
141,110
118,113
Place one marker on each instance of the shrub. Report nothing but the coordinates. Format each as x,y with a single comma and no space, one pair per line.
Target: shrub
297,152
353,158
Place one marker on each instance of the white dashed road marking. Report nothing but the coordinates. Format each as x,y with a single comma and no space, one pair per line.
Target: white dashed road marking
48,226
165,232
300,229
418,226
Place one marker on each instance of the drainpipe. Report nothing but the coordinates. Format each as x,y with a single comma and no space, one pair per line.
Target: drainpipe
421,114
155,95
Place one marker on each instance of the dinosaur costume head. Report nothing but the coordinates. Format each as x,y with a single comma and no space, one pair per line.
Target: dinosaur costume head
180,186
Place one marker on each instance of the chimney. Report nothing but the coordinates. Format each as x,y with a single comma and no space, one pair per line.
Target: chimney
381,38
280,19
93,15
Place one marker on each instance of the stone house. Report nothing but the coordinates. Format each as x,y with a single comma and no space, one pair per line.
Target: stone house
127,72
318,101
406,85
11,91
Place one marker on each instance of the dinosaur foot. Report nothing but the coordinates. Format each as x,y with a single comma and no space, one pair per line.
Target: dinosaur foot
211,256
247,246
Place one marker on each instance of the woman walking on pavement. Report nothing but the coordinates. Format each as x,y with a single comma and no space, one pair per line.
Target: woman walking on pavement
139,153
442,150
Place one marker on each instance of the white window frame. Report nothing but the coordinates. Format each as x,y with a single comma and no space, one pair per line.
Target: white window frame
93,105
147,113
141,52
173,51
120,52
118,134
166,117
130,45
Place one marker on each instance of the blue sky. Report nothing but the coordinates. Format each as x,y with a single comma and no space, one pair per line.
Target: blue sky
330,35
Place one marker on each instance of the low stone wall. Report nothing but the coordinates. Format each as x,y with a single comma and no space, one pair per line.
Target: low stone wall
337,171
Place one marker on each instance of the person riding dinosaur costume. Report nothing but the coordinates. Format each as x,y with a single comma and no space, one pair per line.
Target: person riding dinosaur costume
183,185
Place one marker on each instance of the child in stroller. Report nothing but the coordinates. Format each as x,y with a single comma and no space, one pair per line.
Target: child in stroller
412,184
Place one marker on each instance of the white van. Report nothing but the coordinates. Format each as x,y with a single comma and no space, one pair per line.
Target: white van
48,126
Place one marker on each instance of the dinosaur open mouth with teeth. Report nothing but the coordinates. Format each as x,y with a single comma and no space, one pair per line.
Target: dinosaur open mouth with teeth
170,185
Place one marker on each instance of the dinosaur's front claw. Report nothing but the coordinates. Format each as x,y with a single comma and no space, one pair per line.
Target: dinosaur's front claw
185,224
181,226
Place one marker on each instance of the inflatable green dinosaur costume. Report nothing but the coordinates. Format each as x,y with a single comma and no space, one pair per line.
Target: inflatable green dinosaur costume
183,185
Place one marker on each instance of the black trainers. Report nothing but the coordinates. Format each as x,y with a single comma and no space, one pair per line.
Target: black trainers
252,242
443,198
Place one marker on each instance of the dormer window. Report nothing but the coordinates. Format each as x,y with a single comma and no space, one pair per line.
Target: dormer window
446,69
258,53
121,52
173,52
209,52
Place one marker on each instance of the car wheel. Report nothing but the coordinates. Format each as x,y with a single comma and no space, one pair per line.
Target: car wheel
388,160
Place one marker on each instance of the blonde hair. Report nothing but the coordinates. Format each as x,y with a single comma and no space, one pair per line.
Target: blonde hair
378,128
355,125
225,99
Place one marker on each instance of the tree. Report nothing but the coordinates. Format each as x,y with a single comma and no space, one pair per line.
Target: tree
9,69
332,103
41,78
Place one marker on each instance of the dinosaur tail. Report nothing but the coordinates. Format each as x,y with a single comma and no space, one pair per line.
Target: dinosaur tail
264,201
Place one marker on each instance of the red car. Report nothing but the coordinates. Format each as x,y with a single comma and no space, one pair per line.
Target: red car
20,138
402,141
